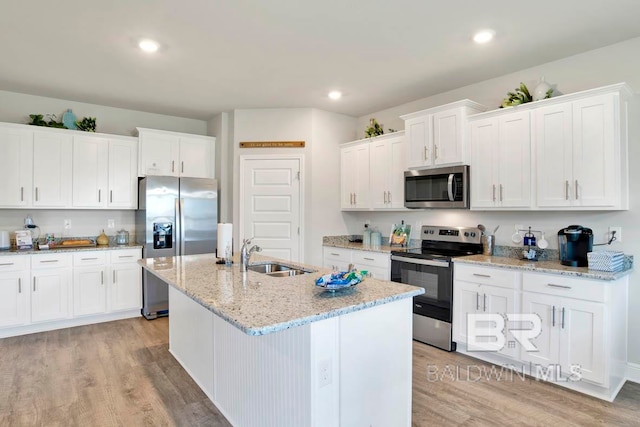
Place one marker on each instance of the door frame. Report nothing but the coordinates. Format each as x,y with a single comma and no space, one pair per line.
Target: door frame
267,157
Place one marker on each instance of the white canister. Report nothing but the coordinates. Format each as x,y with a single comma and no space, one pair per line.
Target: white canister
5,241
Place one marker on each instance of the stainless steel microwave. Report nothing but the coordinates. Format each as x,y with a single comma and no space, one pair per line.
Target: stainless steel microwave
437,188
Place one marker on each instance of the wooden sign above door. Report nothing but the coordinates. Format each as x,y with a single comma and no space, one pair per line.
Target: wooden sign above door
272,144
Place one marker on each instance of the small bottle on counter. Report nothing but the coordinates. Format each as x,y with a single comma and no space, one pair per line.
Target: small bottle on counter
366,236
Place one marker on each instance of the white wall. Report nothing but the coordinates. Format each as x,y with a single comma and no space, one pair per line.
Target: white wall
16,107
613,64
322,133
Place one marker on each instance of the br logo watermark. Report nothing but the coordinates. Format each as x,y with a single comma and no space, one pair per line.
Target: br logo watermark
488,332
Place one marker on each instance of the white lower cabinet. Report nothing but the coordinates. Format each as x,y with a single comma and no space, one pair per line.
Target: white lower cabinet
50,287
125,292
481,290
47,291
583,339
14,291
89,283
378,264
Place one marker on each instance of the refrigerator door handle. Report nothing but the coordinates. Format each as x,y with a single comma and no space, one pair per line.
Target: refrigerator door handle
182,228
178,233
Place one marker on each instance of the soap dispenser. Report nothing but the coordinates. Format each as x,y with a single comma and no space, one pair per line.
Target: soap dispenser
366,236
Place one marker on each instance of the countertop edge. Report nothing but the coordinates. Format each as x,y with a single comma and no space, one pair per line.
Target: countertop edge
604,276
12,252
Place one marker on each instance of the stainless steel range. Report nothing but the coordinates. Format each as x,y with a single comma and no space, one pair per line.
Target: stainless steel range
431,268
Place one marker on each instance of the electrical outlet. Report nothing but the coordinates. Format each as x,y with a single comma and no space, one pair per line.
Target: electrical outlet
67,224
324,373
111,223
618,231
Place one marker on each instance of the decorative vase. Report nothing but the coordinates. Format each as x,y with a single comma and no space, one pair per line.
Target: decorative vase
69,119
102,239
540,92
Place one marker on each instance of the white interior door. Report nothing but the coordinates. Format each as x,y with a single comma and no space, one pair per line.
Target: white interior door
270,207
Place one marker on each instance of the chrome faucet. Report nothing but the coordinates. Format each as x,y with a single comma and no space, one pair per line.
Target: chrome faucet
245,253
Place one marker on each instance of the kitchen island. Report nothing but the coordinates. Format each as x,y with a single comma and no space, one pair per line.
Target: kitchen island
280,351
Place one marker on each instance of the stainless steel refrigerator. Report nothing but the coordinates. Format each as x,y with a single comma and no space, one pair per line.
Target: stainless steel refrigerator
175,216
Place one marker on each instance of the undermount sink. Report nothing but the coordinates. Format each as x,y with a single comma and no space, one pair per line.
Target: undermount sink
275,269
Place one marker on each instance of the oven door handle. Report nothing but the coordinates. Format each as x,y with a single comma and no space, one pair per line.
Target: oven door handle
450,189
429,262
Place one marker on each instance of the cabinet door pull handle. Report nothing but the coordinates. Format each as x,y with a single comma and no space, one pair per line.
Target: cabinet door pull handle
182,167
7,263
494,192
125,256
110,196
477,301
385,197
576,189
552,285
426,153
22,194
49,260
566,190
114,277
34,284
102,277
484,297
435,152
99,196
369,259
500,192
389,196
562,317
553,316
173,165
334,254
88,259
19,285
481,275
36,194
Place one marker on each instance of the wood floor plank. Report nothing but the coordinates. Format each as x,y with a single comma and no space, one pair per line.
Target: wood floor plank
122,374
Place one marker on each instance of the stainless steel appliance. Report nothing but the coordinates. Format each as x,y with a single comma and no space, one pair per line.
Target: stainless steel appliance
437,188
175,216
574,243
431,268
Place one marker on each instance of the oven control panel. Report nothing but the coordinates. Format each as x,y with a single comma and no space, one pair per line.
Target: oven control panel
451,234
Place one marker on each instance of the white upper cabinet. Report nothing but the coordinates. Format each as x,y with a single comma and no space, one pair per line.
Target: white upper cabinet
354,175
175,154
501,169
572,156
104,172
52,152
387,167
16,166
372,173
437,136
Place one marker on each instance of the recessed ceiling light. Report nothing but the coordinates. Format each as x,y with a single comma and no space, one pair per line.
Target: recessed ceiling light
484,36
148,46
335,95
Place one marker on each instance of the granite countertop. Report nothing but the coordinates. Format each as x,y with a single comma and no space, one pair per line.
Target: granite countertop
259,304
550,266
110,247
343,242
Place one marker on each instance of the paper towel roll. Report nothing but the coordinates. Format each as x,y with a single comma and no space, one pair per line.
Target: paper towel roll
225,236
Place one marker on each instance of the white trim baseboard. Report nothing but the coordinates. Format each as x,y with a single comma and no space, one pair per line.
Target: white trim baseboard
633,372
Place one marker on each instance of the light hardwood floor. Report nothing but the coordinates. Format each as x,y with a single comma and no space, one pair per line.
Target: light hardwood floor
120,373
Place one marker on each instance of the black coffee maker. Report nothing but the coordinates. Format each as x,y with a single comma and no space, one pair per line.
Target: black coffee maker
574,243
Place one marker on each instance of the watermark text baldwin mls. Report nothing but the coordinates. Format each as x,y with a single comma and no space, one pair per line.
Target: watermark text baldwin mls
508,372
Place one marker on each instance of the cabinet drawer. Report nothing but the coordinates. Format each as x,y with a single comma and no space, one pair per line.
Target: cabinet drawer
89,258
337,254
486,275
125,255
373,259
552,284
39,262
14,263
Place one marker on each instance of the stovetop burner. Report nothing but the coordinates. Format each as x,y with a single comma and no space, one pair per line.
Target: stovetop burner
445,243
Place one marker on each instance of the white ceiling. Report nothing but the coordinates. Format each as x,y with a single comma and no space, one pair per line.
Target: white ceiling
222,55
